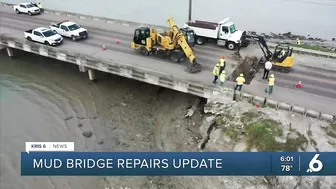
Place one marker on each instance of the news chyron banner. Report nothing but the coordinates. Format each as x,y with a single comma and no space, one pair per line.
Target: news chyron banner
50,147
65,162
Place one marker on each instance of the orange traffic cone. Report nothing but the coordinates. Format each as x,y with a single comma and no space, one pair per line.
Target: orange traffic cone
117,42
298,85
104,48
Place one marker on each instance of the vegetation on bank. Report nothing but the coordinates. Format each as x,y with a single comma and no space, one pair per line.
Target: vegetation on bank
259,132
331,130
314,47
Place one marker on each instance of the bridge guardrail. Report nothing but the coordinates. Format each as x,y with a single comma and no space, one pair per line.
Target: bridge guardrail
136,24
156,78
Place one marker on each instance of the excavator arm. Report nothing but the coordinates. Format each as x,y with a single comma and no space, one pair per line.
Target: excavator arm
179,38
262,44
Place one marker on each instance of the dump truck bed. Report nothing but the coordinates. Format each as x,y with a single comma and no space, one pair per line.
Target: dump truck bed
203,24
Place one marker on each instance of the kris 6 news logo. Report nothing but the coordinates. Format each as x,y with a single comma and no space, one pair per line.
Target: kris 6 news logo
315,165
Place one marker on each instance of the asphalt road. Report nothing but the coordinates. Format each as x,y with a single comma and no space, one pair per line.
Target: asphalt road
318,75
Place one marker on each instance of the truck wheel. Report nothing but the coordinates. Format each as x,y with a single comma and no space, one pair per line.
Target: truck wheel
200,40
144,51
29,39
73,38
47,43
29,13
17,11
231,46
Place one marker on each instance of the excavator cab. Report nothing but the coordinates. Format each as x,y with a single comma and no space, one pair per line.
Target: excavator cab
189,35
281,52
140,36
283,57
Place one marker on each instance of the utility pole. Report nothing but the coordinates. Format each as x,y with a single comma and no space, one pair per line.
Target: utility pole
190,9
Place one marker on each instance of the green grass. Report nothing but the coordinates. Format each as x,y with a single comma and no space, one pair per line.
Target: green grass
261,135
292,145
259,132
312,47
331,130
249,116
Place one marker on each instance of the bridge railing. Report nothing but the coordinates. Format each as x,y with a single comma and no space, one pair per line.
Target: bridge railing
156,78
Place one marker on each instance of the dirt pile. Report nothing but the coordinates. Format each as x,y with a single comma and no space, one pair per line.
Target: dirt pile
249,66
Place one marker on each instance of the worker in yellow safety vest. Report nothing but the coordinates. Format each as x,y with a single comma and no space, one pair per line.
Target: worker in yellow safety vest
282,53
298,42
240,81
222,64
222,78
215,73
40,6
271,81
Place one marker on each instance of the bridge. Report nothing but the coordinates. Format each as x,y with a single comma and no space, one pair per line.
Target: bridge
121,60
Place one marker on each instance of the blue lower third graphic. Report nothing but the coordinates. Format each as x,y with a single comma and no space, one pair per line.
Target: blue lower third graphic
176,163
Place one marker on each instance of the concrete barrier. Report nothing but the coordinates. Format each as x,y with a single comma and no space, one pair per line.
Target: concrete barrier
118,68
286,107
136,24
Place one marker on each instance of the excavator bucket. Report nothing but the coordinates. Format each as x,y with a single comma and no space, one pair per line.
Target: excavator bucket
193,68
237,54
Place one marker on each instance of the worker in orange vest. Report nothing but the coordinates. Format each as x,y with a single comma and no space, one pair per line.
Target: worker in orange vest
222,64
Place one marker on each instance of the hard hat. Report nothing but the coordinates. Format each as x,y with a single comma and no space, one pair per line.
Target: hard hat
241,75
223,57
223,72
272,75
217,65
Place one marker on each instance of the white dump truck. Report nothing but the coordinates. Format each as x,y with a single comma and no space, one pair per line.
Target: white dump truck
223,32
43,35
27,8
70,29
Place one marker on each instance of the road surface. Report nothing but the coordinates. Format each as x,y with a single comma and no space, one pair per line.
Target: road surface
317,74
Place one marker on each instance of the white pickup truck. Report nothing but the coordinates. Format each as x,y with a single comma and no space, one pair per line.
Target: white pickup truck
223,32
43,35
70,29
27,8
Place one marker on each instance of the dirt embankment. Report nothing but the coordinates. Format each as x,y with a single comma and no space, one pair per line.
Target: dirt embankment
243,127
221,126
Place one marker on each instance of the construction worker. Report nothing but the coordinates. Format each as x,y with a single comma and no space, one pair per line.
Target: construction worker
298,42
222,78
282,53
40,6
271,81
268,67
240,81
222,64
216,73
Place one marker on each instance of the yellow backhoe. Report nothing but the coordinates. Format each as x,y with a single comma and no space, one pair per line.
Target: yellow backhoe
174,43
282,58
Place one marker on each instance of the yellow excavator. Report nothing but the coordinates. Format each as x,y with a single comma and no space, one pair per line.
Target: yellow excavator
174,43
282,58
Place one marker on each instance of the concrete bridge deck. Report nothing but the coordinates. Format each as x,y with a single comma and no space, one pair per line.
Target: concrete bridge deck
120,59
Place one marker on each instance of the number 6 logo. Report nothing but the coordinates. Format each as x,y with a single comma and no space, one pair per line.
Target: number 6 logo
313,162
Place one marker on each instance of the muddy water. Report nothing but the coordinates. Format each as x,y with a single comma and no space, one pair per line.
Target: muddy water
46,100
